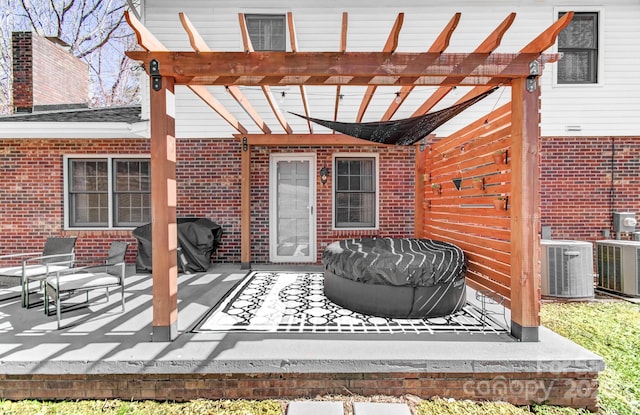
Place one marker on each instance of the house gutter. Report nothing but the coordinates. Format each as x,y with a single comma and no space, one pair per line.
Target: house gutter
73,130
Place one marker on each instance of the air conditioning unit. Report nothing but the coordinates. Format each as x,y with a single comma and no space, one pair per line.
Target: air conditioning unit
619,266
567,268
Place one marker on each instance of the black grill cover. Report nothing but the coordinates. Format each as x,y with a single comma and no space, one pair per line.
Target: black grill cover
198,239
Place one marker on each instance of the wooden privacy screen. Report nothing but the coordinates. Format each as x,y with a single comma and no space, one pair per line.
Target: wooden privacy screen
475,214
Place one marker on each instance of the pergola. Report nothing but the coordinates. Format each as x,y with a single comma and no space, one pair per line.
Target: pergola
481,69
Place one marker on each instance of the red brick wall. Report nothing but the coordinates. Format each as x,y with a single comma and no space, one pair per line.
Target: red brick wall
578,390
208,175
46,74
208,180
575,186
396,165
31,193
32,201
22,71
578,196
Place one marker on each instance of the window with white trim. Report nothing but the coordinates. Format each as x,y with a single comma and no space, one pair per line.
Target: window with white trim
578,43
355,192
267,31
107,192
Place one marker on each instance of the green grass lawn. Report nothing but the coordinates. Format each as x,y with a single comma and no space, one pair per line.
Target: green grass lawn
610,329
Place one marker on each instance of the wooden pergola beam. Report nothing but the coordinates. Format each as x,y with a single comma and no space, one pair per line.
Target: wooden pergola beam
208,98
490,44
334,68
343,48
266,89
542,42
310,140
199,45
439,46
145,38
294,48
389,47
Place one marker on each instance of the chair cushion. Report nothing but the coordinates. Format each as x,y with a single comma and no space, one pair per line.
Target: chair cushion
83,281
31,271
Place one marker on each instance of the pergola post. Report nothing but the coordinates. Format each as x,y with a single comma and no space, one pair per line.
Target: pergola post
245,201
164,229
525,209
418,219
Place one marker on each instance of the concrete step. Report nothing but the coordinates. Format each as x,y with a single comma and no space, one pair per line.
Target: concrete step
315,408
379,408
336,408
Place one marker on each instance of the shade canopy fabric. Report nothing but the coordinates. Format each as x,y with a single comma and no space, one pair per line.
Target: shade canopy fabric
402,132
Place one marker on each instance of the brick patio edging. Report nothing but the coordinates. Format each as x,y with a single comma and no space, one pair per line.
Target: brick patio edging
577,389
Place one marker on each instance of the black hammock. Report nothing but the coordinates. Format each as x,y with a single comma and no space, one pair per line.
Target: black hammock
403,132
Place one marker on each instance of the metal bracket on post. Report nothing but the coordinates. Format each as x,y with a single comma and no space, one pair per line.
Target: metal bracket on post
245,144
154,71
534,72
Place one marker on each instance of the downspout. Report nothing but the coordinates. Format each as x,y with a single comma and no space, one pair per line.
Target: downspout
612,187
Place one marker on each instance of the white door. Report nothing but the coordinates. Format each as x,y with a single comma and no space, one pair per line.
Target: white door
292,195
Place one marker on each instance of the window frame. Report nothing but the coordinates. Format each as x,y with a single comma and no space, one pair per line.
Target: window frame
599,66
257,15
110,159
334,182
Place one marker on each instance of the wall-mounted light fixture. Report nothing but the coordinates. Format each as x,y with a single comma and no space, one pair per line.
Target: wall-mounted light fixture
324,175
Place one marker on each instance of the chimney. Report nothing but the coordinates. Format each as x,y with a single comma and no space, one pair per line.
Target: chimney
46,76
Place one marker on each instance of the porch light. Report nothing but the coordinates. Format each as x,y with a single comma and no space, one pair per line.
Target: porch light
324,175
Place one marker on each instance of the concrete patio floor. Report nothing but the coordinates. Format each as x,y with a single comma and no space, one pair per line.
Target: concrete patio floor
101,341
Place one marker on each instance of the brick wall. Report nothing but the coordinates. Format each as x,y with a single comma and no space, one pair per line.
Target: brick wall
575,187
32,202
208,175
578,195
396,196
22,71
578,390
45,73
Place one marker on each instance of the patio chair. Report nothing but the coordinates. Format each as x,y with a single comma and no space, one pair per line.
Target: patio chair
36,266
104,275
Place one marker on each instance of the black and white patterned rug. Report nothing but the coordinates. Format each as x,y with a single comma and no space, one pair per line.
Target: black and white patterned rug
295,302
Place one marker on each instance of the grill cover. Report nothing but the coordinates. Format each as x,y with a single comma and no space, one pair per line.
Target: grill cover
198,239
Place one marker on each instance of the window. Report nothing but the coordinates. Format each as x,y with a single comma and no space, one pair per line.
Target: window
267,31
107,192
578,43
355,196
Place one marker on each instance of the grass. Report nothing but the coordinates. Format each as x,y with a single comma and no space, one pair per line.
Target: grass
610,329
117,407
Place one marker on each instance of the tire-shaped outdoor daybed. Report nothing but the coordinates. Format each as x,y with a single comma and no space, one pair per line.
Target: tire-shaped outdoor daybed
395,277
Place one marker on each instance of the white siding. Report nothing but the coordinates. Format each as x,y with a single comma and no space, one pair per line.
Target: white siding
610,108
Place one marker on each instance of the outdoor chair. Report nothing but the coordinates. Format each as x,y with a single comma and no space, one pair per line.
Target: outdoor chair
104,275
36,266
